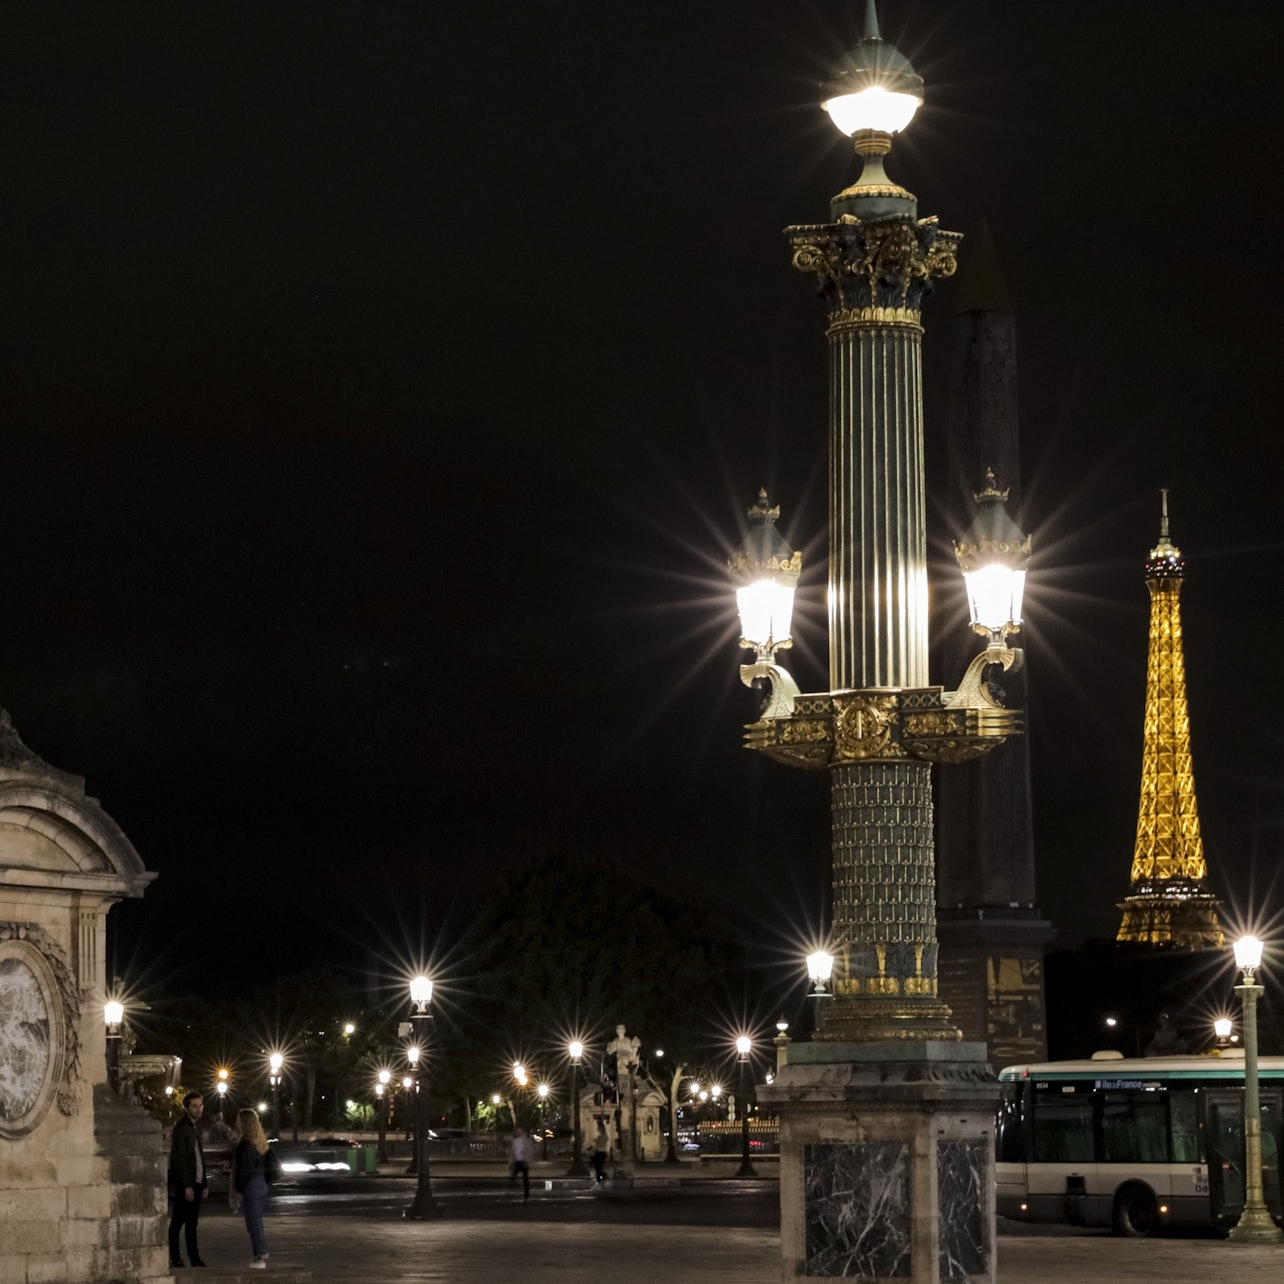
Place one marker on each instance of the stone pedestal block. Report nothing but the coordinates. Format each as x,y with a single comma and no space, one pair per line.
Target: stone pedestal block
887,1161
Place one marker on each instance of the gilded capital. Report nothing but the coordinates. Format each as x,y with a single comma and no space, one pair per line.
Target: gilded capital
875,271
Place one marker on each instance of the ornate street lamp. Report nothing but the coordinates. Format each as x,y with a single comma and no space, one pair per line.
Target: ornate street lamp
575,1050
1222,1030
1255,1225
420,997
382,1088
765,571
782,1042
993,555
820,970
880,726
276,1064
743,1047
114,1017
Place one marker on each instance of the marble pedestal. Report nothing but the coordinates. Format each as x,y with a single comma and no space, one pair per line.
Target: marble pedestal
886,1161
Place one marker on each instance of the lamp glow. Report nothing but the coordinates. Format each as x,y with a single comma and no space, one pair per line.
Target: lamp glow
820,967
1248,954
743,1045
421,993
884,111
765,571
576,1049
113,1012
993,555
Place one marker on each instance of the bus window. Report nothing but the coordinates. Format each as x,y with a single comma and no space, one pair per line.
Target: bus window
1063,1128
1185,1127
1134,1128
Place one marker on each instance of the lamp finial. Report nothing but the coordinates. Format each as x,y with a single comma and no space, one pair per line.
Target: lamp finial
871,21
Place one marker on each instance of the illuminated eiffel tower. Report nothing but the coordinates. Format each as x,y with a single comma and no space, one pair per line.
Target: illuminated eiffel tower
1169,903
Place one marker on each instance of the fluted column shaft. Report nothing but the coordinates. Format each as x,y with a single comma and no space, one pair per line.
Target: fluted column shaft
874,275
877,508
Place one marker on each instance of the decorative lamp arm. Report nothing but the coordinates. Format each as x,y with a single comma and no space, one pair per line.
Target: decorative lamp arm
972,692
784,690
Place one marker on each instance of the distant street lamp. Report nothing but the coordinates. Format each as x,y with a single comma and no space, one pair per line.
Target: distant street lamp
743,1047
420,997
221,1086
276,1063
575,1050
411,1084
114,1016
782,1042
381,1093
542,1090
1222,1029
820,968
1255,1225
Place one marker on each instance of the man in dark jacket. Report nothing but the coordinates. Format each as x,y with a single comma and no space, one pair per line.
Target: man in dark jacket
188,1181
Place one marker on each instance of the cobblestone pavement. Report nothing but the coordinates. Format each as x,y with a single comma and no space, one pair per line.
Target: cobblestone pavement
686,1234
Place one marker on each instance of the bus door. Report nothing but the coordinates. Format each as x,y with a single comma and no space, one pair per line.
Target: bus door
1226,1152
1062,1172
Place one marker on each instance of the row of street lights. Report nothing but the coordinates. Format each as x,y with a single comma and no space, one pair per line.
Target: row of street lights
1255,1224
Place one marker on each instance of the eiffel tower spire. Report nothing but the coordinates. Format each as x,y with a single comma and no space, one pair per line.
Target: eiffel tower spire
1169,903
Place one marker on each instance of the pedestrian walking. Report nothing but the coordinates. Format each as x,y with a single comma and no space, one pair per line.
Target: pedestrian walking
601,1144
254,1167
523,1151
189,1183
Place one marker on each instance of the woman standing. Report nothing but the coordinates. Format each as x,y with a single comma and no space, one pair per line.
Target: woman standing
249,1185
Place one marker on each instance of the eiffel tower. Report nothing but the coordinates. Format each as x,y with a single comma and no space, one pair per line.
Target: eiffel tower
1169,903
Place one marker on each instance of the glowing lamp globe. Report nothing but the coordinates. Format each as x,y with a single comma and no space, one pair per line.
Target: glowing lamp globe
765,572
113,1012
820,967
421,993
993,555
874,88
1248,954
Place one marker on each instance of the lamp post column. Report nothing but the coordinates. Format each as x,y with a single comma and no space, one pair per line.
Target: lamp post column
577,1168
113,1015
919,1180
276,1063
1255,1226
746,1168
422,1205
381,1093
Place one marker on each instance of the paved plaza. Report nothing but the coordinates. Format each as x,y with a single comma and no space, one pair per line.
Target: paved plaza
677,1232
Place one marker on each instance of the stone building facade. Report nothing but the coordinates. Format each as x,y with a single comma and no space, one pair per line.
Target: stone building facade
82,1189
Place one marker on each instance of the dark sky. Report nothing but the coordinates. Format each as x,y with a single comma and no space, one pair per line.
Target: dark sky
383,386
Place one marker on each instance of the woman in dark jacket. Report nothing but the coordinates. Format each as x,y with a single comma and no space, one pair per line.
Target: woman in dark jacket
249,1187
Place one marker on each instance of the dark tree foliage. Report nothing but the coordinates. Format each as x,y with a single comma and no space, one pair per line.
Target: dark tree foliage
574,944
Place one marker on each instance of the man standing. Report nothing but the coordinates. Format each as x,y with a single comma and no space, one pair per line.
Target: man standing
188,1183
523,1152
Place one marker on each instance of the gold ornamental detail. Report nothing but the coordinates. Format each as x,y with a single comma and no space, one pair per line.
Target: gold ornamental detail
849,318
894,249
863,727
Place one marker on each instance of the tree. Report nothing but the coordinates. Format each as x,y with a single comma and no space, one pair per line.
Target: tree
569,945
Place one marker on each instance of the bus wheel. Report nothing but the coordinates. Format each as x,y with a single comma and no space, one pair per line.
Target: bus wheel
1135,1212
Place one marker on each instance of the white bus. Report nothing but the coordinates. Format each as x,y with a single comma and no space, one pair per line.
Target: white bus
1138,1145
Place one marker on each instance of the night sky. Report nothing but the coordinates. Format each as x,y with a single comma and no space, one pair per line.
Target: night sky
384,384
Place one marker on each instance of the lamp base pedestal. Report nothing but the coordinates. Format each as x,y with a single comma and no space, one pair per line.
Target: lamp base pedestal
905,1128
1256,1226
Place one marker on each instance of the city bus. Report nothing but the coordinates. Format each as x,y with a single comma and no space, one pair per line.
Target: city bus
1136,1144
